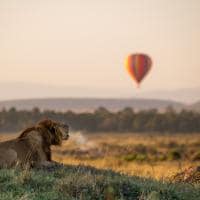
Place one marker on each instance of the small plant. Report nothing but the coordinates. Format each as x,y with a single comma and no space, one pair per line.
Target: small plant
174,155
130,157
158,157
141,157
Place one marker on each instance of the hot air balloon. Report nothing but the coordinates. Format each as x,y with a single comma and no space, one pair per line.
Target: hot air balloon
138,65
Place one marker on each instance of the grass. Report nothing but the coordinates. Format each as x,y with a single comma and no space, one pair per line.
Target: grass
127,166
87,183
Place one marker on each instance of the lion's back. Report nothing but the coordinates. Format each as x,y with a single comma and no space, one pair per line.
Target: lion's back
24,150
8,157
7,144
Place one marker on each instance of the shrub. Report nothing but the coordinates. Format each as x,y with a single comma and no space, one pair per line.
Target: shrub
130,157
141,157
174,155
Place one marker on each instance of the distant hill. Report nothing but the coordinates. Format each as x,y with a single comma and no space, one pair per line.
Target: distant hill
26,90
89,104
185,95
195,106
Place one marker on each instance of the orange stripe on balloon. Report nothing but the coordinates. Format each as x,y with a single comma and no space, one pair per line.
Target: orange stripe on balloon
128,64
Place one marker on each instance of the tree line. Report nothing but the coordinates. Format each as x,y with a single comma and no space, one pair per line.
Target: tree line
103,120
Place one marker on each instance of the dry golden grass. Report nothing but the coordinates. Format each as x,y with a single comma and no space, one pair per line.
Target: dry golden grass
108,150
87,150
162,170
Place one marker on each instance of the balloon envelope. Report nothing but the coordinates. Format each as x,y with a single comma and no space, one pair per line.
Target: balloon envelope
138,65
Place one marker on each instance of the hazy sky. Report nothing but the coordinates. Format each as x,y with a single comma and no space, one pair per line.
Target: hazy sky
84,43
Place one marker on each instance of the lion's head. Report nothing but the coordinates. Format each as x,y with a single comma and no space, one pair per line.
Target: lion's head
51,131
58,131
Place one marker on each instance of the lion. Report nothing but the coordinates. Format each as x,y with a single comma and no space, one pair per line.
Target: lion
32,147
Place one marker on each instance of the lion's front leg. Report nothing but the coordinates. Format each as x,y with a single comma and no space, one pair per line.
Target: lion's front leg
47,165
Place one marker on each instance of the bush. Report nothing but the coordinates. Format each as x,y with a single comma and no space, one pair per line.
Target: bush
141,157
130,157
174,155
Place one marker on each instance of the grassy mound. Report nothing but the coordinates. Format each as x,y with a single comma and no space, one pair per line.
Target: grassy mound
87,183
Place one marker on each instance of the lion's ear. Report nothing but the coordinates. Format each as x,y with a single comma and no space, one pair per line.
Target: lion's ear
50,124
46,123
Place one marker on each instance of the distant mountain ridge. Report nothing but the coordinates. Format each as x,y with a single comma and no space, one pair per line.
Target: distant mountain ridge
26,90
90,104
195,106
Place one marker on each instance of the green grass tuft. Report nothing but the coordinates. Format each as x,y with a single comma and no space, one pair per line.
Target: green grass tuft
87,183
